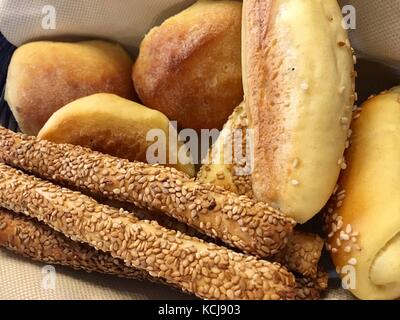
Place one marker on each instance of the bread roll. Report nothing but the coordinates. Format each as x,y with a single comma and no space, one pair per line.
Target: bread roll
189,67
44,76
221,168
364,219
111,125
298,79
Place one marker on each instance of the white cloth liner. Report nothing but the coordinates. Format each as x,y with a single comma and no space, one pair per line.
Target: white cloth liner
377,34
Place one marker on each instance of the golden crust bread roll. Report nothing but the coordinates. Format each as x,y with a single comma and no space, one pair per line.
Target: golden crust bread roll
112,125
44,76
298,79
363,221
189,68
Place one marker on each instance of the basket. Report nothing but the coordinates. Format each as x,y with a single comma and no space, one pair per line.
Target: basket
6,118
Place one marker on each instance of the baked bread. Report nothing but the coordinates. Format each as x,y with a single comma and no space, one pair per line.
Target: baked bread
204,269
222,166
363,222
252,227
298,79
44,76
303,251
189,68
113,125
35,240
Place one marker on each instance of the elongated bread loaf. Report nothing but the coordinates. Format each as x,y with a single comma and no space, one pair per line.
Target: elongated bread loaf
298,79
363,220
204,269
240,222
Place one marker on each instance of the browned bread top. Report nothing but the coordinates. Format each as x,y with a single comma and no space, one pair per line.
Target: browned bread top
189,68
44,76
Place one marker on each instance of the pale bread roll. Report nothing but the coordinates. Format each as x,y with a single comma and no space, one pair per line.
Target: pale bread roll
45,76
298,78
113,125
364,221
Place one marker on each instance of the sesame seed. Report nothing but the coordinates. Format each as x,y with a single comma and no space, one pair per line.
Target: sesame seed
304,86
295,182
352,261
344,236
336,189
350,133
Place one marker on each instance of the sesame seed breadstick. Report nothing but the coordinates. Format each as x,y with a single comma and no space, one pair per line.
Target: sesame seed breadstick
37,241
204,269
255,228
302,253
